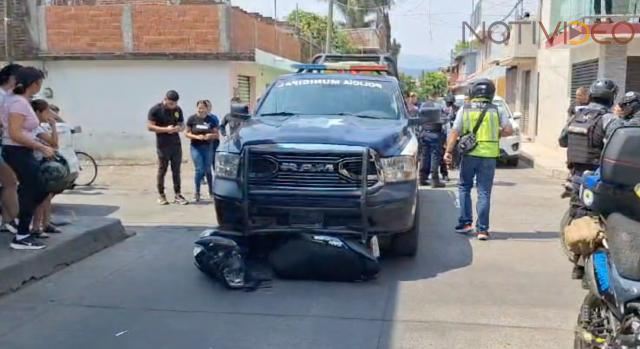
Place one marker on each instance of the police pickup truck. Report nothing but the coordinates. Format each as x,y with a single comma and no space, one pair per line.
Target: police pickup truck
329,149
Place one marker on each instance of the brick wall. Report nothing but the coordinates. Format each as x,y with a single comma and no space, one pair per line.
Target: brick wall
154,27
85,29
21,44
184,28
250,31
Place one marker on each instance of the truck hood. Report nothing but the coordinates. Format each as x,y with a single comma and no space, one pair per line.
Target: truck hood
387,137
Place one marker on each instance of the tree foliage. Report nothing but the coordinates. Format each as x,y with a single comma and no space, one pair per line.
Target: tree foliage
408,84
357,12
314,27
433,84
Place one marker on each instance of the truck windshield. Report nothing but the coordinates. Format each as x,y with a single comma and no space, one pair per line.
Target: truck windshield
326,96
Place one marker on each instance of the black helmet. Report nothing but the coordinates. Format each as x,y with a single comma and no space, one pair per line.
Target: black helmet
54,174
630,103
220,258
450,99
603,91
483,88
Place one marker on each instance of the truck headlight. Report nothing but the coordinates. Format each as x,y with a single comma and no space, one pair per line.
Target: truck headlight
227,165
399,168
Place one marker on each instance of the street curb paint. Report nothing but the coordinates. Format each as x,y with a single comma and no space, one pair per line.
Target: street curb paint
80,240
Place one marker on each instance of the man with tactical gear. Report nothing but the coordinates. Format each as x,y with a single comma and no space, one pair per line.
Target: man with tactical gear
584,134
431,139
450,111
480,126
628,112
584,138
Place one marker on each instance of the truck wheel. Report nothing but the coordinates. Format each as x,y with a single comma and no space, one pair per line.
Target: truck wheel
406,244
513,162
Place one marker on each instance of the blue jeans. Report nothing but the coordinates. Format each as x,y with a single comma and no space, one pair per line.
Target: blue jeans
483,170
431,154
201,156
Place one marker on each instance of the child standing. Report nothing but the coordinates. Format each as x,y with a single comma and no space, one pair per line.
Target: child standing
47,134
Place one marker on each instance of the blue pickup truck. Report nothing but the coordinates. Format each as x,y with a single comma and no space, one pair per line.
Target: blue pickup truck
328,150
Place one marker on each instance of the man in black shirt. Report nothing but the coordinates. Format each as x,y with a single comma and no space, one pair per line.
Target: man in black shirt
167,121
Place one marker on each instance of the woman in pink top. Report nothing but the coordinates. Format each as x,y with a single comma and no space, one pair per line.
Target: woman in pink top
19,143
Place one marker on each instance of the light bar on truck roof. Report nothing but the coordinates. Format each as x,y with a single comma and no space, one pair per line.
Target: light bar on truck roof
342,67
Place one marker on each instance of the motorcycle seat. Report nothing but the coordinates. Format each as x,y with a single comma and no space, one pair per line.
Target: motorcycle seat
623,237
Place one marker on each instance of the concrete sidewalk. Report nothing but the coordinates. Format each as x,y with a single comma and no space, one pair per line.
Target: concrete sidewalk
84,237
548,160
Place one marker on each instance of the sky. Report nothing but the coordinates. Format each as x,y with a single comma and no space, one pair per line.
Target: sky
426,29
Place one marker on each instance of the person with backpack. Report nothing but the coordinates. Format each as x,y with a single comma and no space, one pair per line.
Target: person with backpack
478,128
19,121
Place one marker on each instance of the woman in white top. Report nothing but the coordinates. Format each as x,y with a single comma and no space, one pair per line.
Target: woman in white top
9,196
19,143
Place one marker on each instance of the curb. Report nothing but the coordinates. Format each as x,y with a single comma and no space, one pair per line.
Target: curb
530,161
80,243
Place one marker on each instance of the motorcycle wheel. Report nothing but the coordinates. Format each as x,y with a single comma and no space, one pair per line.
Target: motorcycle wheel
590,304
564,222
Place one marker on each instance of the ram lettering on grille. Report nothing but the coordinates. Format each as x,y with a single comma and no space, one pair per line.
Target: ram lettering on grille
316,168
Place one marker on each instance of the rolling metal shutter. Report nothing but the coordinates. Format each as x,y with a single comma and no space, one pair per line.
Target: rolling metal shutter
583,74
244,88
633,74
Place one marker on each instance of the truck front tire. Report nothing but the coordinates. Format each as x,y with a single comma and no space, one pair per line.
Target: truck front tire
406,244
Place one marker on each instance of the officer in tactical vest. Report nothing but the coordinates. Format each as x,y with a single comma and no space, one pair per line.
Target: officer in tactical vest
479,162
584,137
584,134
628,112
431,139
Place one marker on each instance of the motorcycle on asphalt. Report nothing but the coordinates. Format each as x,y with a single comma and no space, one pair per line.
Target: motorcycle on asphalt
610,313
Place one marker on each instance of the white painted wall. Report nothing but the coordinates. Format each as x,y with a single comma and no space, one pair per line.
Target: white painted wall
110,99
554,66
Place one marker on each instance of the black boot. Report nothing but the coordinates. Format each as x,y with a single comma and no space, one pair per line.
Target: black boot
435,181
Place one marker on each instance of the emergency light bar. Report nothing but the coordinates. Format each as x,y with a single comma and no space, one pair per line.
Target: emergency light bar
352,68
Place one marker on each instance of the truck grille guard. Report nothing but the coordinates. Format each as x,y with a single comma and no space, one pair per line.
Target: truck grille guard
362,191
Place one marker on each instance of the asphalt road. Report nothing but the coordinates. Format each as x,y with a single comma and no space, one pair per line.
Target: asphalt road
511,292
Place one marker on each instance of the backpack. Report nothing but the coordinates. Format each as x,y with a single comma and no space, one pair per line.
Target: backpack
324,258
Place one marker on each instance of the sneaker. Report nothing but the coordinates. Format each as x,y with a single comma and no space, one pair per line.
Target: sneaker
28,243
180,200
50,229
483,236
162,200
464,228
39,234
9,228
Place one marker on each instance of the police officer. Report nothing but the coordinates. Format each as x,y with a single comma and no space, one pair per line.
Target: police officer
450,111
628,112
431,139
584,135
480,162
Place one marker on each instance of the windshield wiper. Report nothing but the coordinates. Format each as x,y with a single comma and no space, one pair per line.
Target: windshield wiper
363,116
280,113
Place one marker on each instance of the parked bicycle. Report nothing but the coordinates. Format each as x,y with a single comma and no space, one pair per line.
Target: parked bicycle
87,166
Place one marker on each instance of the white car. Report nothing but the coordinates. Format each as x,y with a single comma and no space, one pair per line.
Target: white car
509,146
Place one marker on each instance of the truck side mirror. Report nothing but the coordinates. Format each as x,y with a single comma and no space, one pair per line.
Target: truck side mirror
240,111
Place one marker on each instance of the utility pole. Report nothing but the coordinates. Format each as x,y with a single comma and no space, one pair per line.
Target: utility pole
275,9
329,28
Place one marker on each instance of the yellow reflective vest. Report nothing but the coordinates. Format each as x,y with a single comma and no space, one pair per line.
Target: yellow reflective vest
488,135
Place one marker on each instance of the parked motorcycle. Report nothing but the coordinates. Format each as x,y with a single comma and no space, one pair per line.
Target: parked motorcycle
610,314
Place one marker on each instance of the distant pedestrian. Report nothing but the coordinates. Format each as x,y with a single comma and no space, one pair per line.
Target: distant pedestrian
597,8
202,131
19,143
411,100
216,138
481,118
581,101
9,195
166,120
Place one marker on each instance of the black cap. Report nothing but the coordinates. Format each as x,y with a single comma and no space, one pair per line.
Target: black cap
173,95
